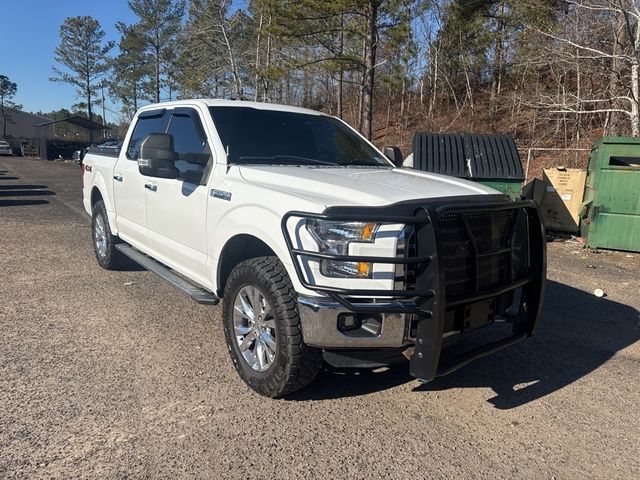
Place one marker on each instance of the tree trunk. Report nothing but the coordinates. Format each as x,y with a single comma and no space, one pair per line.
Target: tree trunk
635,98
403,105
237,81
635,85
306,82
157,82
610,127
266,85
496,84
104,113
434,86
388,102
341,74
157,69
370,62
257,76
135,96
89,110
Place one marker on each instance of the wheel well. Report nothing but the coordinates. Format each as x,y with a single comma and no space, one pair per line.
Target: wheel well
95,196
238,249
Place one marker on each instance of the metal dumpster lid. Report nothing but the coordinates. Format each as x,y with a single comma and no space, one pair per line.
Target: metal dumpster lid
468,156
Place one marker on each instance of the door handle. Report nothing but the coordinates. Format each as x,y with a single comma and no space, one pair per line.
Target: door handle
151,186
117,178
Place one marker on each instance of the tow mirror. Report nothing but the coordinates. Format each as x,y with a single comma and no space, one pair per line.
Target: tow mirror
157,157
395,155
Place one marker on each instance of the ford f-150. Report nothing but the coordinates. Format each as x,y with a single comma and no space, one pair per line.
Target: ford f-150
321,248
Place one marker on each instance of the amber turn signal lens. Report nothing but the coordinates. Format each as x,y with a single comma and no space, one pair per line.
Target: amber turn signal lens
364,269
368,230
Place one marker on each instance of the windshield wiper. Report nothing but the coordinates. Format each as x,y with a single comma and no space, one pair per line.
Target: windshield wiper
364,163
289,159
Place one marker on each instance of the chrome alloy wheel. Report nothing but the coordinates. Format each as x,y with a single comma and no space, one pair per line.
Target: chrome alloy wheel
255,328
100,236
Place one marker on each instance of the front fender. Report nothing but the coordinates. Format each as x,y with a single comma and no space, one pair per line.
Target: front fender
98,182
257,221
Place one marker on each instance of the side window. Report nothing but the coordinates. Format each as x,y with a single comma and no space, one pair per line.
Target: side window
190,143
147,123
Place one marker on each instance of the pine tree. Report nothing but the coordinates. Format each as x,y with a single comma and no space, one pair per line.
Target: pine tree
131,68
8,90
84,53
158,26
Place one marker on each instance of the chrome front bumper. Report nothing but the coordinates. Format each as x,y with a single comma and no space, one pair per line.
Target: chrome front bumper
319,319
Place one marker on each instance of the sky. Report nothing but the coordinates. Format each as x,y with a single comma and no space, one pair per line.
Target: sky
29,36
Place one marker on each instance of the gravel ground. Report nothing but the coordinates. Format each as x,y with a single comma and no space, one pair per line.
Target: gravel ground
116,374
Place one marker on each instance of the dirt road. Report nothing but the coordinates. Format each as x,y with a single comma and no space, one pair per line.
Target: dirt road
116,374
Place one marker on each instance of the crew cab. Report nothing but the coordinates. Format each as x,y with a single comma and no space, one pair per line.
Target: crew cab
320,247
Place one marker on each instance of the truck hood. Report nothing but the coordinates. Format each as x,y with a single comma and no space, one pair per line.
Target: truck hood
359,186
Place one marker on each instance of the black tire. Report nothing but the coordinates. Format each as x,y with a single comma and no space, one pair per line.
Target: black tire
295,364
109,257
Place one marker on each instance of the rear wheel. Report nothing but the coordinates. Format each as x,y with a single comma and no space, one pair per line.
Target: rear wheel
103,240
262,329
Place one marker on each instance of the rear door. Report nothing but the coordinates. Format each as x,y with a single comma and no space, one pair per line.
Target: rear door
129,185
176,208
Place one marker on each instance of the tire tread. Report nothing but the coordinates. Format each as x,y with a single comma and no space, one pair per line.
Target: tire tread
302,361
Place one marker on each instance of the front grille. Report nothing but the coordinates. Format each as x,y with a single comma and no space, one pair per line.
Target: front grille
496,240
410,276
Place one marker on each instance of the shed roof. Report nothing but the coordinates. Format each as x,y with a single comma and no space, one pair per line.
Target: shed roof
78,121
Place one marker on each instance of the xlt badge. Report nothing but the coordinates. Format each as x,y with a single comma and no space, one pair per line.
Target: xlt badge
221,194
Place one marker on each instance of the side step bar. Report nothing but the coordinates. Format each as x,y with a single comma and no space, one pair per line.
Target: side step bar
196,293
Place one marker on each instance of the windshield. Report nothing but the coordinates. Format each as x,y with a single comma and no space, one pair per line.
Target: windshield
269,137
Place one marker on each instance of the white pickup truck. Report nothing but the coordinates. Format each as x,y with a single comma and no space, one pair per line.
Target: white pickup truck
321,248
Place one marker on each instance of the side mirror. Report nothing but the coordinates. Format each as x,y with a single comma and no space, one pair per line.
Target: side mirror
395,155
157,157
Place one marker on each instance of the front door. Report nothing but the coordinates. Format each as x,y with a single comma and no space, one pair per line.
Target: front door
176,208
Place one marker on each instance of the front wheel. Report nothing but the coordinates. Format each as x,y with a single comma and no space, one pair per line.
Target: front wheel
103,240
262,329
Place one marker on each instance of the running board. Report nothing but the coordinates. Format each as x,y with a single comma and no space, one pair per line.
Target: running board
196,293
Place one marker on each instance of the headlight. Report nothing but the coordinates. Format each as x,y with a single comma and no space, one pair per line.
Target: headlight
334,237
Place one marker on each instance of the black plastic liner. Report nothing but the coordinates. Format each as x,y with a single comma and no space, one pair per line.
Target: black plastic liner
482,157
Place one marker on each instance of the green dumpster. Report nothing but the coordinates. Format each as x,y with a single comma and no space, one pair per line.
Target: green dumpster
513,188
610,211
490,160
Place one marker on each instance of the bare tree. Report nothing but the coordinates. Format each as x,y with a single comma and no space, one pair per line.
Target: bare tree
158,26
596,43
215,41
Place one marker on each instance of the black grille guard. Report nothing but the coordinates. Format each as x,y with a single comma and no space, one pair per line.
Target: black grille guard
428,301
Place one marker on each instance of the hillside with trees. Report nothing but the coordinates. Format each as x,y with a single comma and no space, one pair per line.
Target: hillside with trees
551,72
